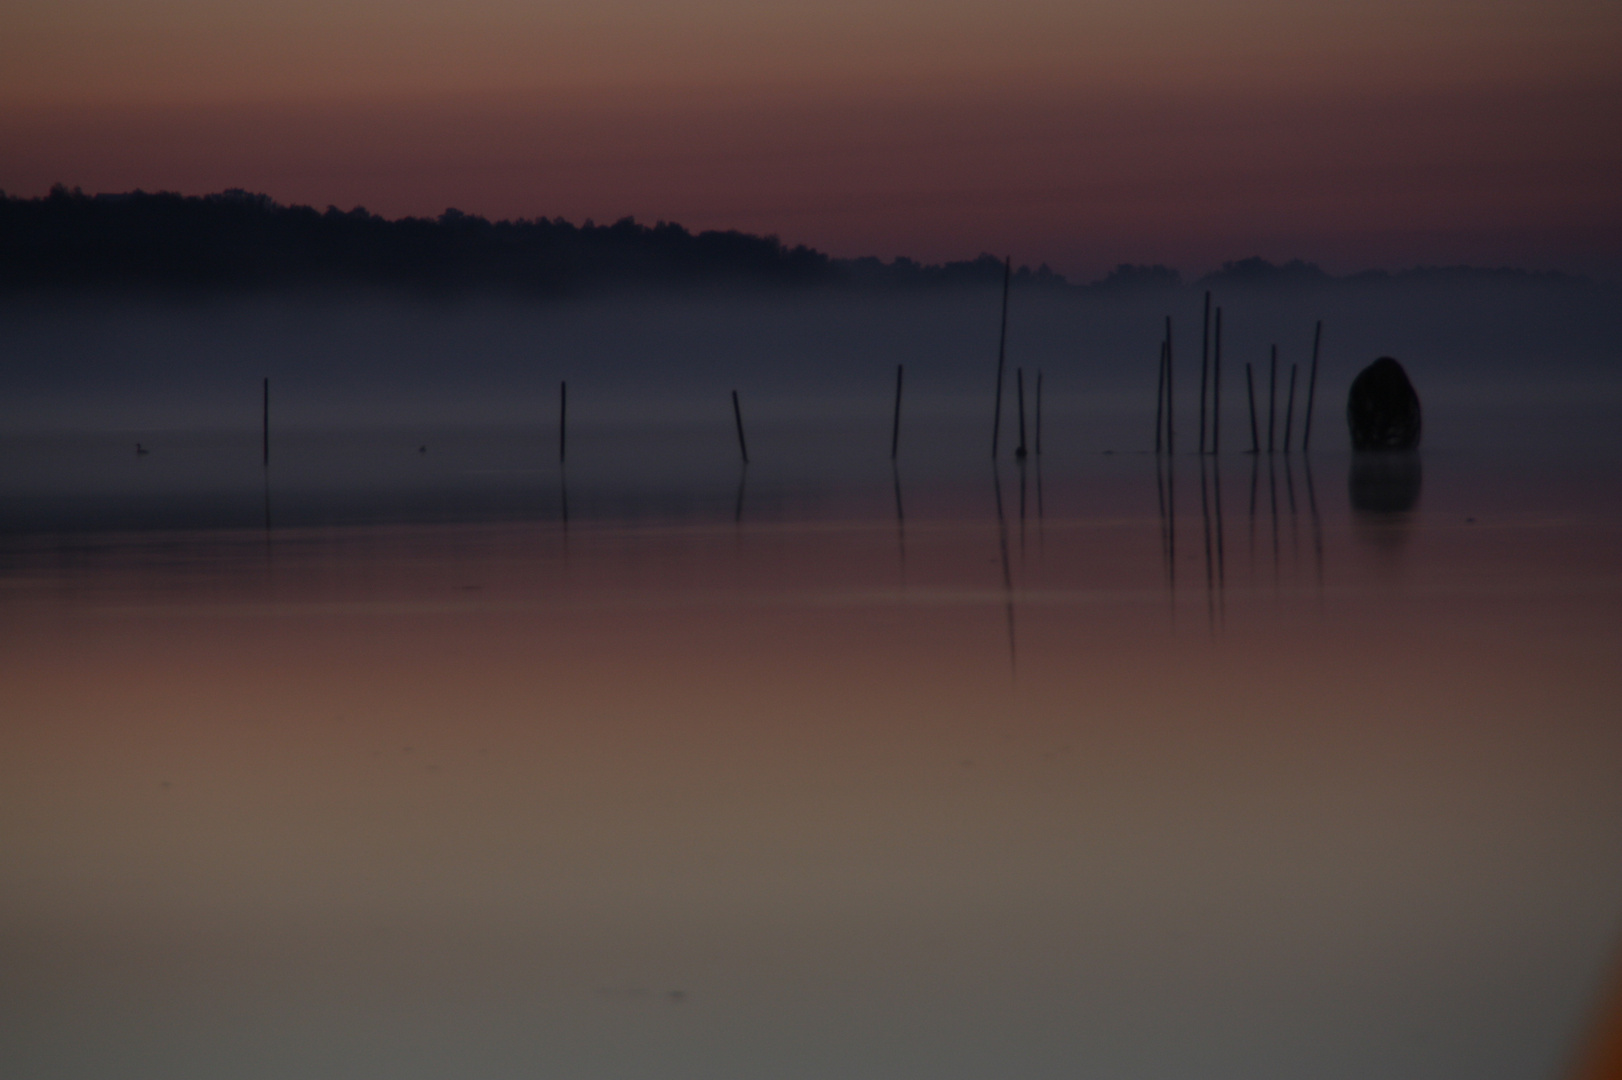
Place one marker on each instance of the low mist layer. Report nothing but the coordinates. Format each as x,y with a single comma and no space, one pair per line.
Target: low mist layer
346,358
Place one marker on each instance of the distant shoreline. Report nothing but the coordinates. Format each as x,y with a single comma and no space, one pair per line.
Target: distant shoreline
238,241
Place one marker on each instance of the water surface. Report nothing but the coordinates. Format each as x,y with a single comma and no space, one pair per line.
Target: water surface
1127,768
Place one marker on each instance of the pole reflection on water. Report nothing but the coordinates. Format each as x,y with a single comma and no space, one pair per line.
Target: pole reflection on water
1007,567
1216,473
1165,536
1272,502
1255,466
267,497
900,520
1038,497
1019,463
1317,523
1384,494
1216,580
1171,526
1295,532
1210,561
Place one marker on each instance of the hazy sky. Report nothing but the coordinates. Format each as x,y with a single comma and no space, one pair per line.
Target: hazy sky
1356,134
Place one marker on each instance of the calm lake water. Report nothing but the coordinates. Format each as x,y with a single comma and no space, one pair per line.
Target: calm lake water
377,764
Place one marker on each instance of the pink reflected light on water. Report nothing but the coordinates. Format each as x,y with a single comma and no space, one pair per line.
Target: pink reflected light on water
809,799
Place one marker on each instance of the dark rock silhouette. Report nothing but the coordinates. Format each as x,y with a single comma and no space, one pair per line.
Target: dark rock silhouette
1383,408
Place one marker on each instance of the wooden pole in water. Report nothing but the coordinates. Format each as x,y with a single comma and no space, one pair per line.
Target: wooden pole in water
563,420
1205,362
737,415
264,432
1250,387
1312,386
1019,383
895,423
1289,411
1160,399
1039,437
1216,386
1002,346
1171,425
1272,396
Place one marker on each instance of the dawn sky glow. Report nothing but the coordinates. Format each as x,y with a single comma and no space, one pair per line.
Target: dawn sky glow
1352,134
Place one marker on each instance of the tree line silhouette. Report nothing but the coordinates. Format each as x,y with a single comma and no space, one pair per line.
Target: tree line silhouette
241,240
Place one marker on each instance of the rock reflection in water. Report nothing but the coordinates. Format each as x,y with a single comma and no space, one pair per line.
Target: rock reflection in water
1384,488
1385,483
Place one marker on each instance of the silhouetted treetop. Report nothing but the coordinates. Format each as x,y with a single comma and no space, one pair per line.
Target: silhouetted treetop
1258,273
1129,276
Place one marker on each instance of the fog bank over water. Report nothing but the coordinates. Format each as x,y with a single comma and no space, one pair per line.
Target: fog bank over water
372,359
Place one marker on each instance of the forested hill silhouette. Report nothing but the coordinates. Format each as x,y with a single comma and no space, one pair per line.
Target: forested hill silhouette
240,240
237,240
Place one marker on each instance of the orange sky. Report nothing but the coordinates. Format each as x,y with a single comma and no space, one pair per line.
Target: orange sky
1164,130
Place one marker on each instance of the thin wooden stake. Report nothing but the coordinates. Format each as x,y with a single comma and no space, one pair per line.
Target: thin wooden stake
1312,386
264,432
1039,438
1160,399
1205,361
1250,387
1171,425
1019,383
1216,393
1289,411
895,423
563,420
1002,346
1272,396
737,414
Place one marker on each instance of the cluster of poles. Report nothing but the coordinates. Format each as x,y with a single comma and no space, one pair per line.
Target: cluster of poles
1022,450
1210,427
895,424
563,421
1211,393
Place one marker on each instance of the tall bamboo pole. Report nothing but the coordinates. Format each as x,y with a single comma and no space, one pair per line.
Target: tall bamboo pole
1002,354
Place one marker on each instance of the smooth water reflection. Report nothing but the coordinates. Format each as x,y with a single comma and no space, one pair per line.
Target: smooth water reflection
1056,787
